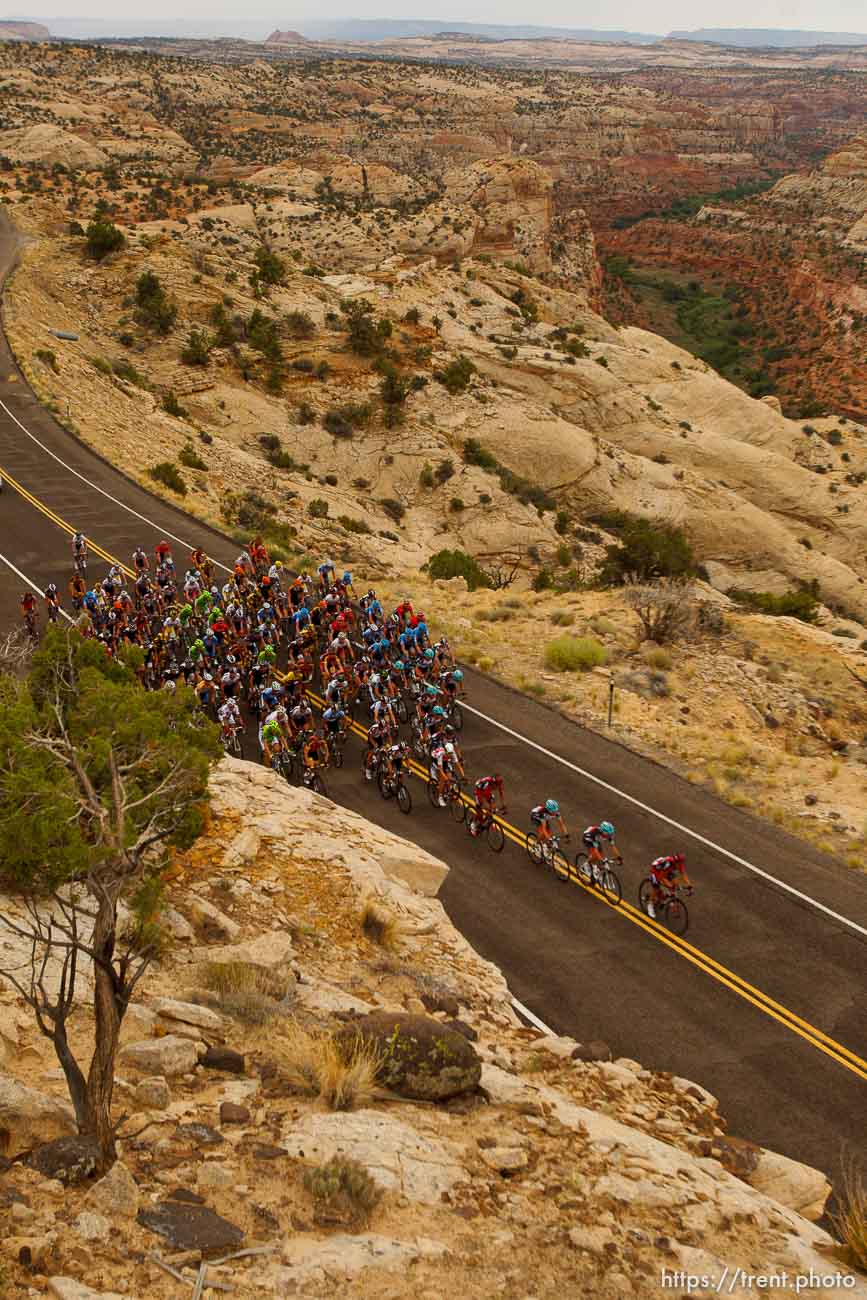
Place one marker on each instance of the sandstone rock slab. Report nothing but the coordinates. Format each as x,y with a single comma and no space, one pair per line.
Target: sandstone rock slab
419,1057
116,1193
167,1056
186,1226
28,1117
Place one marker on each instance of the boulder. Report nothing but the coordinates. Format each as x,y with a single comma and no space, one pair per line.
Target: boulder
153,1093
505,1160
271,950
69,1160
421,871
319,1262
187,1226
168,1056
800,1187
115,1194
223,1058
28,1117
395,1154
92,1227
419,1057
66,1288
212,921
232,1113
243,848
188,1013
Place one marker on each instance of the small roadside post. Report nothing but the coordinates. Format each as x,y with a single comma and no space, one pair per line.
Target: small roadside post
610,700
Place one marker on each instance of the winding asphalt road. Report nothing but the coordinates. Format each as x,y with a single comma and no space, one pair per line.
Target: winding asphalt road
770,919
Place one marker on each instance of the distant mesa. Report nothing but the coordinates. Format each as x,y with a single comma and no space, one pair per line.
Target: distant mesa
285,38
771,37
15,31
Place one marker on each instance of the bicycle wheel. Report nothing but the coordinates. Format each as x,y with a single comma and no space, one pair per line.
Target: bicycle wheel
385,783
560,865
337,754
404,798
495,836
457,807
610,882
675,916
236,744
534,849
400,709
645,894
582,866
433,793
457,717
317,785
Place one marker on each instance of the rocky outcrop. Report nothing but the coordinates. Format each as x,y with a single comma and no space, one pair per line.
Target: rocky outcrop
417,1057
512,198
44,143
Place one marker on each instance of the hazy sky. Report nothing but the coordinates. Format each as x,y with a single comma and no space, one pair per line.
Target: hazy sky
633,15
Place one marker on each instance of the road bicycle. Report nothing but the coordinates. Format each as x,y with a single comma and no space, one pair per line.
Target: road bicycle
336,744
548,853
231,741
484,825
312,780
600,875
671,911
391,786
31,625
452,795
281,763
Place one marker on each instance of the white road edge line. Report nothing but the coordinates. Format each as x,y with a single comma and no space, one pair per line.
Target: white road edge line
663,817
31,584
790,889
533,1019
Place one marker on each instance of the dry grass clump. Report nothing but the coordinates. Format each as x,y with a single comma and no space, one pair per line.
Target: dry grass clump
378,925
850,1220
247,992
343,1192
562,617
341,1074
574,654
657,658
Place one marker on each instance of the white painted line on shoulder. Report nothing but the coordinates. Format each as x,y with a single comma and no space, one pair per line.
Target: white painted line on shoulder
533,1019
670,821
30,583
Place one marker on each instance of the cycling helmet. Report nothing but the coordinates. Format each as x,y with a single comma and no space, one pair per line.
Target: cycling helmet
208,677
458,675
51,589
428,654
430,689
438,712
552,806
607,829
230,661
449,748
448,731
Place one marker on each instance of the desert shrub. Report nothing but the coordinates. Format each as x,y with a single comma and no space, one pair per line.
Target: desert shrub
645,550
394,509
456,376
561,522
665,609
457,564
305,413
249,993
475,454
445,470
270,269
850,1219
169,475
378,925
299,325
104,367
336,424
270,441
342,1075
456,505
155,309
318,509
802,603
562,617
102,238
188,456
48,358
304,365
353,525
412,316
574,654
393,387
426,476
343,1192
197,348
172,406
366,337
658,658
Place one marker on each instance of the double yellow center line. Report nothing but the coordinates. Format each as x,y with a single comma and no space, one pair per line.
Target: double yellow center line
850,1060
